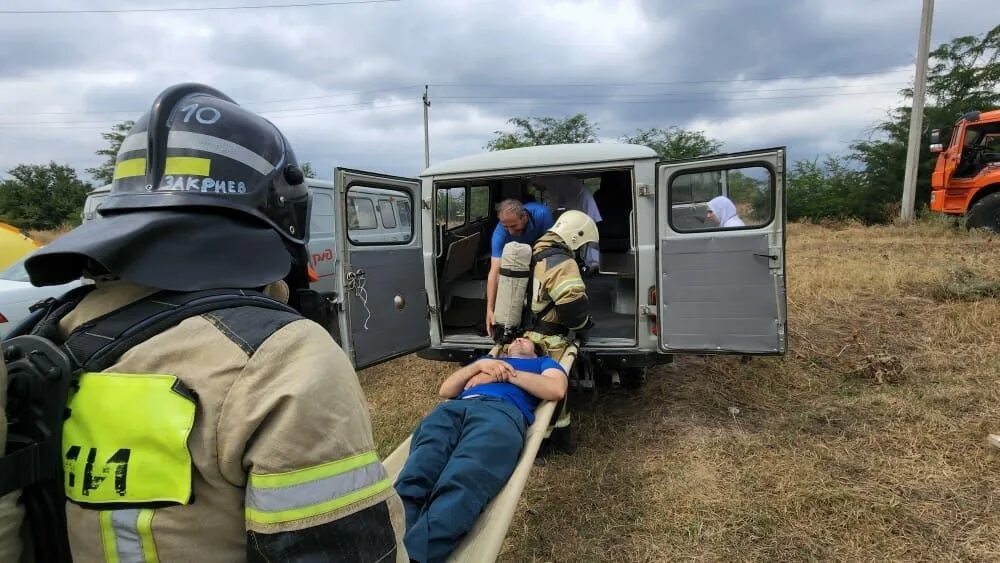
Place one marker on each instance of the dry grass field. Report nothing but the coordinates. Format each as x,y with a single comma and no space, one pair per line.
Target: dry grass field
866,442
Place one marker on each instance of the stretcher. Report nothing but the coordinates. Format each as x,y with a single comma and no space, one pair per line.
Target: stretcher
485,539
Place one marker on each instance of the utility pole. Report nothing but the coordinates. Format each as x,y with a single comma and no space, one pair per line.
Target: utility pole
427,138
917,113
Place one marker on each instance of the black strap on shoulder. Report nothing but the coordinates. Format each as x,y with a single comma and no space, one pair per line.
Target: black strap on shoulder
535,318
96,345
43,319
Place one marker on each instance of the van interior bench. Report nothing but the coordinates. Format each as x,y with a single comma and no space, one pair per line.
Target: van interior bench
485,539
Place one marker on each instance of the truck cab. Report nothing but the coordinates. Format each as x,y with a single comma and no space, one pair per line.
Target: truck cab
405,260
966,178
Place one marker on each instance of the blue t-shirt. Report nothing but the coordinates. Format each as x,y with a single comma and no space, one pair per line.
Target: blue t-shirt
539,221
524,401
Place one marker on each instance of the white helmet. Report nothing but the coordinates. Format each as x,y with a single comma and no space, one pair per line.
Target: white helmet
576,229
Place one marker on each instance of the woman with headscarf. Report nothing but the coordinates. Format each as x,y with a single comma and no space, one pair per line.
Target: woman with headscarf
722,211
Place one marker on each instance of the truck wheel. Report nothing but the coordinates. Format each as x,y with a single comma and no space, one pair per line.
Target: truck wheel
985,214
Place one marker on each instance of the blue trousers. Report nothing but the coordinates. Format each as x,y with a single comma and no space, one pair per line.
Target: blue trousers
461,455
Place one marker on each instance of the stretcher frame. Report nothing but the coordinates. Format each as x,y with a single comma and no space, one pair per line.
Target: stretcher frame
485,540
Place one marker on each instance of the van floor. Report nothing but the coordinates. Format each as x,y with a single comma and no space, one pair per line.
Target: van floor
607,323
465,316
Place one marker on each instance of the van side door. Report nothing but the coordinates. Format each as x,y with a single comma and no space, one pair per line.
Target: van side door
385,301
721,285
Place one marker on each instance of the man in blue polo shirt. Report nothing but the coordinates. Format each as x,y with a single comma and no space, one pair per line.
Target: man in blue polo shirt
518,222
464,451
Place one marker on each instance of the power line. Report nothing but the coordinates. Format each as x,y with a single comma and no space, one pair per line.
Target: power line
665,94
195,9
100,124
672,82
249,103
498,97
455,100
541,101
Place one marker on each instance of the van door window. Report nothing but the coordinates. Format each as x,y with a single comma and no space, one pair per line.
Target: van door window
363,216
697,187
403,208
731,198
387,214
360,214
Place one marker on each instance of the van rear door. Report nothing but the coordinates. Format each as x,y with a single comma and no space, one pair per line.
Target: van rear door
385,300
721,287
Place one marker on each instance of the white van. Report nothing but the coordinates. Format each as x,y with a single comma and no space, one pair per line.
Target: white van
669,280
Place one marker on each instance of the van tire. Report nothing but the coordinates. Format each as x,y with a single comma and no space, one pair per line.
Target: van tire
985,214
632,378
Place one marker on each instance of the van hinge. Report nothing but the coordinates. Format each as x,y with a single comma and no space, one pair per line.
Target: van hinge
425,203
645,190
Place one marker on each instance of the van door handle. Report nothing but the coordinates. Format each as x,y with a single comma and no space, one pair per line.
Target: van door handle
631,230
771,256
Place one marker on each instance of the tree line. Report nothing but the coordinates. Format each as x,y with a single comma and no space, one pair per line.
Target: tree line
865,183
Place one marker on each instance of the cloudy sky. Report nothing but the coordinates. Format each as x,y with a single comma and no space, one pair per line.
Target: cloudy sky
344,82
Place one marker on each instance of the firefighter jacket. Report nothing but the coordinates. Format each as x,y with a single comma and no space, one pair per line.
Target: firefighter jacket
256,439
558,294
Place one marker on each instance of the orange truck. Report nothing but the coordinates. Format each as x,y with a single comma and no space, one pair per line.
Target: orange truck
966,178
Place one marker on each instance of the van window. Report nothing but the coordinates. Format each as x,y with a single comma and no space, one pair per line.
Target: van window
698,187
371,215
388,216
479,203
403,208
90,207
748,201
360,214
456,208
321,218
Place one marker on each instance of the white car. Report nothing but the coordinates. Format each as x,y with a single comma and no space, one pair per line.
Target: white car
17,294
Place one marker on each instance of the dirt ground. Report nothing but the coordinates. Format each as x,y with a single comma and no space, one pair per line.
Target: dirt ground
866,442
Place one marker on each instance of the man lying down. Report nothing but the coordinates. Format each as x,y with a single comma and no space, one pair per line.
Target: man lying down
463,452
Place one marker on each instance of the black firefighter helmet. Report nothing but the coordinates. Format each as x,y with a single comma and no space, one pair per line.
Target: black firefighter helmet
206,194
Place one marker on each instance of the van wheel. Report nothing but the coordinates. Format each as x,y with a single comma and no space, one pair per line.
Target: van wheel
632,378
985,214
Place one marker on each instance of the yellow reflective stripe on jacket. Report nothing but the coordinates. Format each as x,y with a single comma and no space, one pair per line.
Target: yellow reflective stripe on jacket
304,493
127,536
125,440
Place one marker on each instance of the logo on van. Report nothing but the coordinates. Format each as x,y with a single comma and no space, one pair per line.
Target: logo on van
324,256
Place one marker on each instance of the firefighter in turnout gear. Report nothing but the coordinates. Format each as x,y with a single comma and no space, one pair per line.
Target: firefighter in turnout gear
210,421
558,295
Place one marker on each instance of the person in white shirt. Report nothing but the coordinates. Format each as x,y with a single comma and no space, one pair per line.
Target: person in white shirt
567,192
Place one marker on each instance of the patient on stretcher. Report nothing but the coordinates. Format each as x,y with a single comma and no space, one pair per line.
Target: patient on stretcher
464,451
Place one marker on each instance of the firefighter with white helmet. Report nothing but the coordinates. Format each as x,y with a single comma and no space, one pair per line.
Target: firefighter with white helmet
240,431
558,295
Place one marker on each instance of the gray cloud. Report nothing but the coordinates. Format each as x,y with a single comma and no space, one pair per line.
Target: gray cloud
331,77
